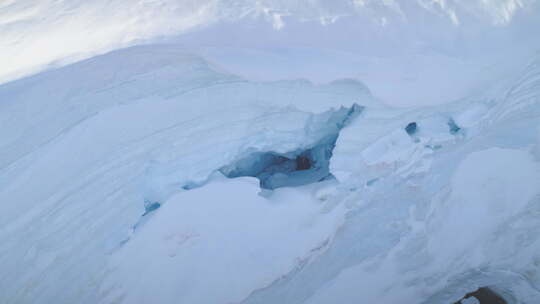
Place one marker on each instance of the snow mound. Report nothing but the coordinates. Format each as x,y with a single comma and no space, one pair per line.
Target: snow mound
111,170
99,141
176,260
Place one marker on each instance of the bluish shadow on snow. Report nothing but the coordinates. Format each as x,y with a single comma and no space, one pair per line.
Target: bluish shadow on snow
150,207
302,166
454,128
298,167
295,168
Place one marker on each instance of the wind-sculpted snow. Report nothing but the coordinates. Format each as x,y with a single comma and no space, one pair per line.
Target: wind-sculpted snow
91,175
84,147
462,212
218,237
111,174
37,35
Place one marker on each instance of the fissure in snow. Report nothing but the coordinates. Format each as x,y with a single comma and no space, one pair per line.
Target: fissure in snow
295,168
298,167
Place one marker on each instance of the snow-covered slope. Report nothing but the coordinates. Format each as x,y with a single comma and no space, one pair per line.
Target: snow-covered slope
96,149
201,168
387,44
86,147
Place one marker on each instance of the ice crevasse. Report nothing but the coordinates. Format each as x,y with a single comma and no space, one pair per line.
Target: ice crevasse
152,176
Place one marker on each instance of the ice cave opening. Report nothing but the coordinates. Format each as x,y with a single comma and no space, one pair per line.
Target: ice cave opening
295,168
299,167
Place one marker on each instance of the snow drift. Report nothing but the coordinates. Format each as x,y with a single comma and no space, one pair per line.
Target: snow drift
81,158
185,172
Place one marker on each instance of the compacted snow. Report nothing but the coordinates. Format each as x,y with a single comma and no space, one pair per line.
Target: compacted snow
257,154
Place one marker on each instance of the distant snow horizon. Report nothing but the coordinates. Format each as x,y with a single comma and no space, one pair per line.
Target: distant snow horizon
37,35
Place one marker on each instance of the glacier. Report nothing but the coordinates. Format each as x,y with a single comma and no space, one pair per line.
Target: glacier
207,152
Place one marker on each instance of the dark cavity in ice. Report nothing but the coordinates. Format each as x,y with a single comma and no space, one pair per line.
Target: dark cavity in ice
484,295
150,206
295,168
411,128
454,128
298,167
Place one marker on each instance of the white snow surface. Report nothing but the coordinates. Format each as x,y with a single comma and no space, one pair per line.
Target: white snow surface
105,140
385,43
425,203
228,218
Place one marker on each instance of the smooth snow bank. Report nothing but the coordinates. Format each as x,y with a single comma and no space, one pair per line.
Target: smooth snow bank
40,33
479,231
468,43
488,188
218,243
